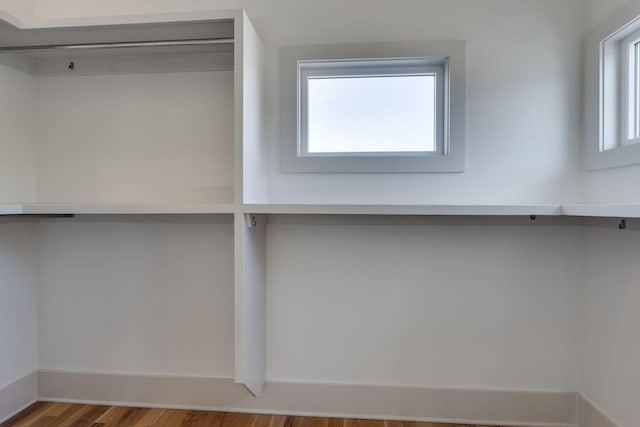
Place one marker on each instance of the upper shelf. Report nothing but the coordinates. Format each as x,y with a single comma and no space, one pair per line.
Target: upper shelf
175,26
603,210
578,210
11,210
114,209
450,210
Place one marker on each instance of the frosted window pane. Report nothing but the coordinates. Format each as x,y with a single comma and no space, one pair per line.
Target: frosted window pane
371,114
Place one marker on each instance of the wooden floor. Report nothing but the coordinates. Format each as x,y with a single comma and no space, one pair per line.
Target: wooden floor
64,414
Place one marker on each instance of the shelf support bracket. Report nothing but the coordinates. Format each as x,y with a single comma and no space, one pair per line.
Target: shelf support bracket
255,220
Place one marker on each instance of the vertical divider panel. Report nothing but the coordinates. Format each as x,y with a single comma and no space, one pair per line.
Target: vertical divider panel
250,186
238,108
250,301
253,111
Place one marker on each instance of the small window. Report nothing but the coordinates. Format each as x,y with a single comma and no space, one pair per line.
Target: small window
371,107
391,108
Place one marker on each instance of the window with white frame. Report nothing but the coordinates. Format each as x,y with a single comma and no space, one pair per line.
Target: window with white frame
612,93
346,110
630,90
371,107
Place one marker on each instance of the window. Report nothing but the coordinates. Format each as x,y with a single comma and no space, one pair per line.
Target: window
630,90
371,107
612,93
345,110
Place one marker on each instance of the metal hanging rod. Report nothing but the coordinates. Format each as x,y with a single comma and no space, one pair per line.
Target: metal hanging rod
116,45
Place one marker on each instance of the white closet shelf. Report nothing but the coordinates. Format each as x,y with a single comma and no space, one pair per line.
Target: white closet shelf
114,209
11,210
579,210
444,210
628,210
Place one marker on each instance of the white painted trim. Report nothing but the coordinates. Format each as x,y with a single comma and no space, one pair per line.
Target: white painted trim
358,68
468,406
18,395
589,415
628,107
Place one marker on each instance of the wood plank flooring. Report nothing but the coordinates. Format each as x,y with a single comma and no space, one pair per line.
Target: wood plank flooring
43,414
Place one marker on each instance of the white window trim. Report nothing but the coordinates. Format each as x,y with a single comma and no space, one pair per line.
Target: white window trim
629,84
450,158
370,68
605,102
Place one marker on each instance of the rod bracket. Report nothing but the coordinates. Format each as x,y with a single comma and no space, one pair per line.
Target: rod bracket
255,220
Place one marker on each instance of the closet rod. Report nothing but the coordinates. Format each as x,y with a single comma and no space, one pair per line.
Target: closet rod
116,45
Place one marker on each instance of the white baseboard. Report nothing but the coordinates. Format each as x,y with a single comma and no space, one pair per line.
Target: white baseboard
590,416
18,395
353,401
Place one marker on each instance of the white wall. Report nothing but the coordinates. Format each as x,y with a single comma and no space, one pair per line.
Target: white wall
17,162
151,138
137,296
610,343
619,185
383,304
461,305
609,374
523,94
522,109
598,10
18,298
